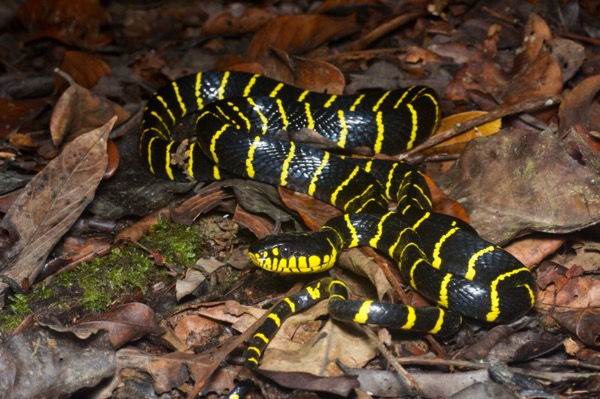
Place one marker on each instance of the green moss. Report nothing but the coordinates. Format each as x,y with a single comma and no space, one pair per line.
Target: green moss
127,271
16,312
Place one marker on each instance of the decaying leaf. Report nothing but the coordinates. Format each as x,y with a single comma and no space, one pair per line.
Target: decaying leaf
79,110
319,354
579,106
34,360
518,181
535,72
237,22
71,22
296,34
51,202
124,323
85,68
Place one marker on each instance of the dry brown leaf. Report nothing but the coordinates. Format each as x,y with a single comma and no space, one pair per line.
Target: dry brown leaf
342,386
319,354
339,6
519,181
572,299
309,74
535,72
79,110
71,22
296,34
85,69
15,113
124,323
580,106
583,323
33,360
51,202
237,22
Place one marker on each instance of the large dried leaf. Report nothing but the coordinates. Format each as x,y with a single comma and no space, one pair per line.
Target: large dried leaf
15,113
288,351
310,74
237,22
79,110
71,22
45,362
535,72
518,181
85,68
297,34
51,202
579,106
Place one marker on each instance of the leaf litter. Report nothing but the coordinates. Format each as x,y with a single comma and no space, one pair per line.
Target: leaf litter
531,182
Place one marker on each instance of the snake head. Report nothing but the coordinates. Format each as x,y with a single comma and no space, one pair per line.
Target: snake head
294,253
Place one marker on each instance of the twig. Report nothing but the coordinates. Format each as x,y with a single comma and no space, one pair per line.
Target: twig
411,384
498,112
384,29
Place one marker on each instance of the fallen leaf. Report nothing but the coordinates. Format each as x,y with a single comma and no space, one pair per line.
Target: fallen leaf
51,202
32,361
71,22
124,323
309,74
15,113
319,354
517,181
79,110
86,69
296,34
237,22
457,143
580,106
535,73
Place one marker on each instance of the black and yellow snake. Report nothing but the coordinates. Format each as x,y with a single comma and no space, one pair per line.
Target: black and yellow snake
443,258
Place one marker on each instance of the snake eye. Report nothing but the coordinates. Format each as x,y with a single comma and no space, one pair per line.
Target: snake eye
285,251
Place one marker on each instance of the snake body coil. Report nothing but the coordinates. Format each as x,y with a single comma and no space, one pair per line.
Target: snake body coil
439,256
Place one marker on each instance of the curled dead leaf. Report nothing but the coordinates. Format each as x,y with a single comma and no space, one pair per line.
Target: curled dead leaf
84,68
535,72
79,110
579,106
51,202
297,34
237,22
124,323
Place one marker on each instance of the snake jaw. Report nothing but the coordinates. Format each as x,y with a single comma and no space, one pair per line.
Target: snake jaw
293,253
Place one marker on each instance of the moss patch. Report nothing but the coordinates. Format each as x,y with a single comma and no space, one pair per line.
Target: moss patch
126,274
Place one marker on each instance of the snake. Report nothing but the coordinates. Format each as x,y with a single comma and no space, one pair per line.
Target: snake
240,121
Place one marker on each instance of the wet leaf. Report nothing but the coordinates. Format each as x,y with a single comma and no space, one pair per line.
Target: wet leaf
51,202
